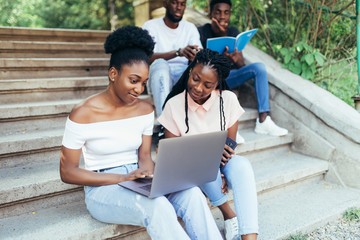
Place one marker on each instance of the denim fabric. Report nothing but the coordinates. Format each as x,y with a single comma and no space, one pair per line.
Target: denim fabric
240,179
162,78
115,204
258,72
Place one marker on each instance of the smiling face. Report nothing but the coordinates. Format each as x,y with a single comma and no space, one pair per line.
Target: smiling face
221,12
130,81
202,81
175,9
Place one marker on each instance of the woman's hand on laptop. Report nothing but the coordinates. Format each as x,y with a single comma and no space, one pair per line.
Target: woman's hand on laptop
139,173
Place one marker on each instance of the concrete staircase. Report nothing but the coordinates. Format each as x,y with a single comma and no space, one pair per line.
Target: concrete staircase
44,73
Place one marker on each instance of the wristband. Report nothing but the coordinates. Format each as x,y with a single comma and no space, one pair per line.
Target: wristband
177,53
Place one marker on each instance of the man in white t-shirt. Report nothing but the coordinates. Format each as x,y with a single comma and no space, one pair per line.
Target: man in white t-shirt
176,43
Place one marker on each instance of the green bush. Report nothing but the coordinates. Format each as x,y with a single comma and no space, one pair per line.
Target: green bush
302,59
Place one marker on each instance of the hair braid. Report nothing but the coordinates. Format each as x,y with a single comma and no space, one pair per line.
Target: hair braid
186,111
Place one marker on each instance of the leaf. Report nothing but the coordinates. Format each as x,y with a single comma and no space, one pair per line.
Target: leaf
285,65
287,58
308,74
309,58
304,67
307,47
320,59
295,66
284,51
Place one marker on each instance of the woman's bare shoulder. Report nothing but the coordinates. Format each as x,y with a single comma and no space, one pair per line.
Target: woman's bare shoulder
85,111
145,107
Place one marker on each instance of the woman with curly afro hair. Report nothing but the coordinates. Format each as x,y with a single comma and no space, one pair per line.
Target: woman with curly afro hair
113,131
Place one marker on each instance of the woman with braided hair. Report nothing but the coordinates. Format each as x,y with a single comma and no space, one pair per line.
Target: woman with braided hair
113,130
198,103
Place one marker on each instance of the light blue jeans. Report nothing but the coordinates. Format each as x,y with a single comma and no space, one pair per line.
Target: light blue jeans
240,179
258,72
115,204
162,78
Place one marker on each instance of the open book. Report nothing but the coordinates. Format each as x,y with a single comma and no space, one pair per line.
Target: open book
218,44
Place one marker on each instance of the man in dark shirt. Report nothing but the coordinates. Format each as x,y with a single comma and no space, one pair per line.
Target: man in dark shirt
220,12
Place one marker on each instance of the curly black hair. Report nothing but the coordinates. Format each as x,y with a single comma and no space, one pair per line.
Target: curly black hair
222,67
128,44
213,2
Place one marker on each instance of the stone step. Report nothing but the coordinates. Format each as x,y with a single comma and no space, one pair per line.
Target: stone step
50,89
20,183
302,208
52,34
13,85
28,142
256,142
36,109
20,68
38,49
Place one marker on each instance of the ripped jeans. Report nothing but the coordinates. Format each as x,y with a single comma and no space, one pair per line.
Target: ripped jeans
162,78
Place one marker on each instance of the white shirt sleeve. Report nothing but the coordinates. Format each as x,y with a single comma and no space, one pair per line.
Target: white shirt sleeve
74,137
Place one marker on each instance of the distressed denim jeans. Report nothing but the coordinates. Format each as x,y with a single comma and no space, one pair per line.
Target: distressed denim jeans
162,78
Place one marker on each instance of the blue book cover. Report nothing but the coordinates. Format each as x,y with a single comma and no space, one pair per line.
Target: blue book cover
218,44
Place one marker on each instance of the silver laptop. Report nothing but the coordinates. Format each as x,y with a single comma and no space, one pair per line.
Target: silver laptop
182,163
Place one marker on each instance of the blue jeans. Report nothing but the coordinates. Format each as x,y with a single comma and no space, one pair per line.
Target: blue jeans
115,204
240,179
162,78
258,72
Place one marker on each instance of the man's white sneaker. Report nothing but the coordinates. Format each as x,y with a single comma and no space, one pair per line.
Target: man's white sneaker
231,228
239,138
269,127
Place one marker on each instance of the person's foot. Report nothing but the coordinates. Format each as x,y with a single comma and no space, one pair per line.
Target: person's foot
269,127
231,228
239,138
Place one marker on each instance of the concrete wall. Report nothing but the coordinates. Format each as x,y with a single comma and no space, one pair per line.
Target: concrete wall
323,125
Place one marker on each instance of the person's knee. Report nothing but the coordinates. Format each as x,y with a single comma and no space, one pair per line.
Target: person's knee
194,195
259,67
160,65
159,72
239,165
161,209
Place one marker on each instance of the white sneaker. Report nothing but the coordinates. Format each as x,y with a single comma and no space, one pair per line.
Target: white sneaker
231,229
269,127
239,138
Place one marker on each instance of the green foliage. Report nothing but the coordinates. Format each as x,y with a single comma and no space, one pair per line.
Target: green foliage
18,13
298,236
74,14
302,59
352,214
315,39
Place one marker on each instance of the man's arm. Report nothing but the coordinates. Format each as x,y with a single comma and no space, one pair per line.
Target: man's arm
189,52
